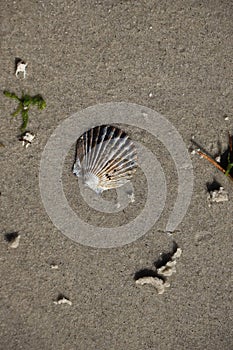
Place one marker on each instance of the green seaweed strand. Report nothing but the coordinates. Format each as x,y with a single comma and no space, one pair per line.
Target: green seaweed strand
24,105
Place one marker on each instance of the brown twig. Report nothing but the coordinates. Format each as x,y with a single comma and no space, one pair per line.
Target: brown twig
212,161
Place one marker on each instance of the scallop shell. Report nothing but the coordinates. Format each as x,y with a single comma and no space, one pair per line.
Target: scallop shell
106,158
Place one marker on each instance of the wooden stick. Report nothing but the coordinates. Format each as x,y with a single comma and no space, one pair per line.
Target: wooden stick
212,161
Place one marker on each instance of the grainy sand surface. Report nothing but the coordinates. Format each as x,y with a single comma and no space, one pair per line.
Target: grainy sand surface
82,53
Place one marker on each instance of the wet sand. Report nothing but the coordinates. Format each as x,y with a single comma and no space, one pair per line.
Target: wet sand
175,58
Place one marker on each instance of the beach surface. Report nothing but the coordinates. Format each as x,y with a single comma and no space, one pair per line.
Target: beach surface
174,58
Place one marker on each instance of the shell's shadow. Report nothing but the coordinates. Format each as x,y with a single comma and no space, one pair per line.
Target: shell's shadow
11,236
213,186
17,60
145,273
165,257
162,261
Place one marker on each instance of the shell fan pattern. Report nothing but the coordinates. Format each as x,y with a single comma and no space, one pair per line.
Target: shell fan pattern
106,158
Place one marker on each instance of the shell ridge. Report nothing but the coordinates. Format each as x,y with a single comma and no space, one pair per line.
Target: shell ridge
101,149
107,154
90,133
114,151
93,154
122,165
86,151
124,154
97,149
127,171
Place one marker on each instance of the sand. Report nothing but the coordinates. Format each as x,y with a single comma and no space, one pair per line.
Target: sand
175,58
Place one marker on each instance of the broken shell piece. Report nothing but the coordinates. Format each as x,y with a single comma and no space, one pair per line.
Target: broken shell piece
54,266
62,300
15,243
168,269
218,159
21,67
158,283
195,151
13,239
27,139
218,196
177,254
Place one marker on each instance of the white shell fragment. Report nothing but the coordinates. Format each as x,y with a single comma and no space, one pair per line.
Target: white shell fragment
13,239
21,67
106,158
177,254
160,282
27,139
168,269
195,151
14,244
156,282
218,196
62,300
54,267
